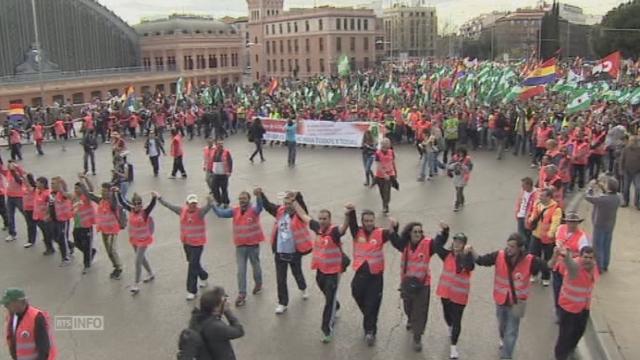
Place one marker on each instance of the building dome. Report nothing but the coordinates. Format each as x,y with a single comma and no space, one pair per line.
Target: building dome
184,24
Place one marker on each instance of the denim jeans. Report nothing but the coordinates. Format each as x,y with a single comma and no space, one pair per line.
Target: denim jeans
291,146
367,163
13,203
508,326
194,270
521,145
602,239
436,163
251,253
629,179
524,232
426,163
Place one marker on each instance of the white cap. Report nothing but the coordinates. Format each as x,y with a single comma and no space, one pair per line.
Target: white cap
192,199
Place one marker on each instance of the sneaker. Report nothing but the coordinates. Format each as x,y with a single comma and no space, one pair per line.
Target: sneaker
417,346
184,176
116,274
545,283
190,296
456,209
453,353
149,279
305,294
65,262
134,290
27,245
203,284
370,339
326,339
241,300
10,238
280,309
257,289
533,279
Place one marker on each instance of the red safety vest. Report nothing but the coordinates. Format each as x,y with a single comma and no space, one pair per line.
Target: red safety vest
3,184
580,154
453,285
415,263
247,230
193,230
575,294
38,132
140,229
63,207
386,166
28,198
369,249
225,163
176,146
24,335
106,219
326,256
299,230
13,188
85,211
41,205
208,157
59,127
14,137
521,275
542,135
602,148
571,243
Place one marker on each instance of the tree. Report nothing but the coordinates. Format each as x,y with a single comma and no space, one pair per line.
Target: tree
606,40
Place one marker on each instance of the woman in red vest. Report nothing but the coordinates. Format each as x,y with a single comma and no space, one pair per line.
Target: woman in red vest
177,152
28,200
386,174
42,213
454,285
193,235
140,234
84,217
415,275
15,143
38,136
579,160
63,212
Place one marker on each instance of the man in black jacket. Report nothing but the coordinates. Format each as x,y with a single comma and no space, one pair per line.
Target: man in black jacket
89,144
35,336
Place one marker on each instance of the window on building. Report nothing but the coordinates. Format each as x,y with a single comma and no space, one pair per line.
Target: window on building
289,46
295,26
288,28
359,24
257,62
282,65
321,44
352,44
352,63
268,66
146,62
320,24
280,27
266,29
338,44
281,47
344,24
296,67
273,46
365,44
366,63
338,23
295,46
60,98
213,61
307,46
171,62
353,24
306,25
268,47
273,29
308,61
77,98
365,24
98,94
159,61
322,65
289,65
274,66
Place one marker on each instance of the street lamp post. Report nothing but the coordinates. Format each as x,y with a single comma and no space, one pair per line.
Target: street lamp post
38,51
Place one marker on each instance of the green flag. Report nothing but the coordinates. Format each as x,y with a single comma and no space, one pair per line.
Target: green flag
635,97
581,100
343,66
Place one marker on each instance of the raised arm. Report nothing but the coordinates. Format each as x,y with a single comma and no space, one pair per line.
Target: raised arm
173,208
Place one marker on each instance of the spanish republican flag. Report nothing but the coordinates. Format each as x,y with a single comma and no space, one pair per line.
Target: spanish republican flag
545,73
273,86
528,92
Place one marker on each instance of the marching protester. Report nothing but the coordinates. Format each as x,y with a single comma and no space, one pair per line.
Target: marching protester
42,214
247,236
460,170
28,203
524,205
15,143
14,177
368,155
415,276
89,145
328,259
29,330
154,147
454,285
109,221
629,168
368,263
84,217
386,174
207,162
290,240
62,214
544,221
580,275
193,235
177,153
222,166
514,268
141,228
291,131
256,134
38,137
602,193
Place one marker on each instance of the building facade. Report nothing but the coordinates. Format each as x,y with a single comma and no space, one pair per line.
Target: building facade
472,29
410,30
301,43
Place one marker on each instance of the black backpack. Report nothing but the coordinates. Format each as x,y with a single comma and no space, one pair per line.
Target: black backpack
191,346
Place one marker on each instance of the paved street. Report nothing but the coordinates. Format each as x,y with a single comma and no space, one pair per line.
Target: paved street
147,326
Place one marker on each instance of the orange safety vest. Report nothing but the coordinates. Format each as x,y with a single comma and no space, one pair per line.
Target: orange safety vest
106,220
28,198
580,153
569,242
59,127
224,163
542,135
41,205
13,188
193,230
453,285
24,335
326,256
63,207
575,294
415,263
521,275
545,223
247,230
140,229
385,163
300,231
85,211
369,249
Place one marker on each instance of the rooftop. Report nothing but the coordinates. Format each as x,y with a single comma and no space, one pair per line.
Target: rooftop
185,24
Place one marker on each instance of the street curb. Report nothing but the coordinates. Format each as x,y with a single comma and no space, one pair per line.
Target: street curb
598,341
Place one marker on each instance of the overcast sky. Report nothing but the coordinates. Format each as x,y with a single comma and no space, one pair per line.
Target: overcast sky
453,11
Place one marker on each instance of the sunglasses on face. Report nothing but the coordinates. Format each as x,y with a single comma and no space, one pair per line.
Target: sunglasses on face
417,231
